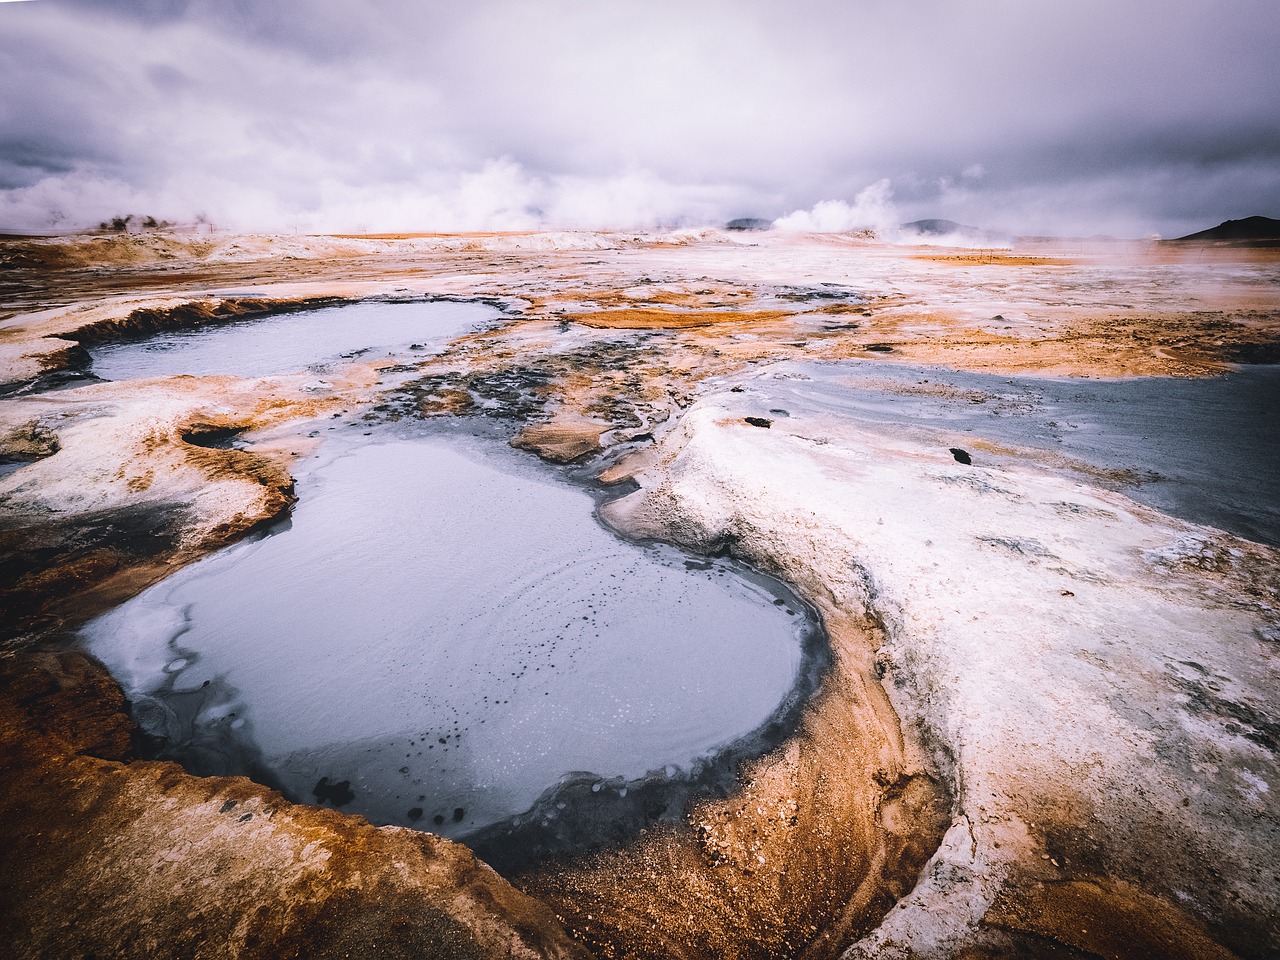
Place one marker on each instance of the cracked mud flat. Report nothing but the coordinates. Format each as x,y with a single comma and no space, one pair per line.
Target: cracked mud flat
1049,727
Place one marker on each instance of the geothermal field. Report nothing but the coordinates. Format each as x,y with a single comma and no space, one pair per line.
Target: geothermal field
696,594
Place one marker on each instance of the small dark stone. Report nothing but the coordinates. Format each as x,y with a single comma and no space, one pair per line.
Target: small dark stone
879,348
415,814
759,422
246,817
230,804
338,793
962,456
735,390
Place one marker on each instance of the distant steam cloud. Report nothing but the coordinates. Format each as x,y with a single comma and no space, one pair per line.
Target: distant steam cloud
499,195
872,209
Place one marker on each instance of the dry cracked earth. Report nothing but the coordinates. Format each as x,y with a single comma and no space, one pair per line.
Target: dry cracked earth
1051,722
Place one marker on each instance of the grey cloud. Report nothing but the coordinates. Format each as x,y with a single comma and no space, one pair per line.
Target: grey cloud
321,111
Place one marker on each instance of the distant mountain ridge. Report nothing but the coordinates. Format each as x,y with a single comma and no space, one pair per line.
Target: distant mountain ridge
949,231
1250,229
935,227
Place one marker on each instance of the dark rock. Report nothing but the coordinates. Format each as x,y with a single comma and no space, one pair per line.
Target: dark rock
338,793
749,223
759,422
962,456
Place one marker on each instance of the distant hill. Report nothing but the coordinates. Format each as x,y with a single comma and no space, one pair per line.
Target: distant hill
938,228
749,223
948,231
1248,229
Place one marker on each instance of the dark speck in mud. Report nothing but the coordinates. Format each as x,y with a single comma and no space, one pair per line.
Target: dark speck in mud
735,390
962,456
338,793
458,814
414,814
438,819
759,422
879,348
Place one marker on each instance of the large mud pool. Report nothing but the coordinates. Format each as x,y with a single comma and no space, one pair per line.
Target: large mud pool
290,342
443,632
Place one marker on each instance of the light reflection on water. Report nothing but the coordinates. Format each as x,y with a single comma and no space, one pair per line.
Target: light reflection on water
292,342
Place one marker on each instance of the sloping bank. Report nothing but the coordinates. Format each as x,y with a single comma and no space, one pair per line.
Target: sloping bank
1088,676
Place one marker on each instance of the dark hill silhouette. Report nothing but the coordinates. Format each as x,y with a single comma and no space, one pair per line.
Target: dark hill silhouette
949,230
938,227
1250,228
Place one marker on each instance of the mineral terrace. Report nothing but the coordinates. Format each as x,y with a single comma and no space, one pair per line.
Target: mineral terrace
1051,722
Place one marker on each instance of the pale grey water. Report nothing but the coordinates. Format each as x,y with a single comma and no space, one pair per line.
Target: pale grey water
1206,450
292,342
446,627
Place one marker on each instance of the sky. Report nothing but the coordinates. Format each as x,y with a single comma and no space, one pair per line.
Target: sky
1074,118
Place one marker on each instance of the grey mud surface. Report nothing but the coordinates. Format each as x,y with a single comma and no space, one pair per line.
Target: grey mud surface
1204,449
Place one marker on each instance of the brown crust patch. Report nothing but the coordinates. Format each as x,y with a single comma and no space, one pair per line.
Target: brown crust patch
984,258
559,441
637,318
1108,344
142,860
1103,918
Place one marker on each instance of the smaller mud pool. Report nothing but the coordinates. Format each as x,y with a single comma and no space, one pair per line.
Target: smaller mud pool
444,632
282,343
1204,450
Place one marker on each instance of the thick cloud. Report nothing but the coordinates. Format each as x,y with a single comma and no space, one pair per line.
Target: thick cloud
1153,115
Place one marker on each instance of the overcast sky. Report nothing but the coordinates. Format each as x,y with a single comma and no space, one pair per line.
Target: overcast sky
1127,117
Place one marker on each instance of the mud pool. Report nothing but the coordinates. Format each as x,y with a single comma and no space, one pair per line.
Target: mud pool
443,632
290,342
